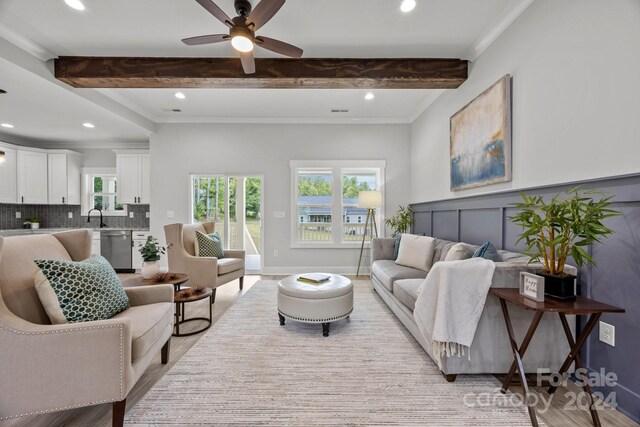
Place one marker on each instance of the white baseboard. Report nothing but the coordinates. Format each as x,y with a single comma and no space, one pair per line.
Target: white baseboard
286,271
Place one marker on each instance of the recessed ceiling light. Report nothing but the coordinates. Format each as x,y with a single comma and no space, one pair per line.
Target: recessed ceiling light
88,125
180,95
408,5
6,125
369,96
75,4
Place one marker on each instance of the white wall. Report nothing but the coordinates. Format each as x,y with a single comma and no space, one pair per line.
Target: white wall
178,150
576,98
97,158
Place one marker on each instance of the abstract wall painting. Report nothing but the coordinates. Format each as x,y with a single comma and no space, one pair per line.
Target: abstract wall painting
481,139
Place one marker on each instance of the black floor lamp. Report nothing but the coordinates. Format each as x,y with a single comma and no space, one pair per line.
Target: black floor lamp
369,200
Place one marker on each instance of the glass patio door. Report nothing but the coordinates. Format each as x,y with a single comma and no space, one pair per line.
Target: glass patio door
234,203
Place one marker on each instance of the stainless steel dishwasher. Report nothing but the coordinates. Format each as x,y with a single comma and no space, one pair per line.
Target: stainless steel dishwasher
115,246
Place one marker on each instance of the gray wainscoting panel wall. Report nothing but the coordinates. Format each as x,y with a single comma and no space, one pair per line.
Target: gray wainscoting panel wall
615,280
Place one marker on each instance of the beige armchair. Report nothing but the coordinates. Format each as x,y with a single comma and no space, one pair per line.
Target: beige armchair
202,271
48,368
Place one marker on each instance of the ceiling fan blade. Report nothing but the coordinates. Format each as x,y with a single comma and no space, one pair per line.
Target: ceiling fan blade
263,12
248,63
280,47
215,10
211,38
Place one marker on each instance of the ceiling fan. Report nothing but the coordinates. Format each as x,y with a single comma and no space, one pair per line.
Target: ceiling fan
242,30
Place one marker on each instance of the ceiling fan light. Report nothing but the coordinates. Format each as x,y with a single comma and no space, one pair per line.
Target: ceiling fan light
408,5
242,44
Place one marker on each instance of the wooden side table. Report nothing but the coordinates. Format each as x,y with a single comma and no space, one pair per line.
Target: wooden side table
175,279
580,306
180,300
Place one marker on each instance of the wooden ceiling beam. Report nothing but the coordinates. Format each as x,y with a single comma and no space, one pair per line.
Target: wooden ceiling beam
311,73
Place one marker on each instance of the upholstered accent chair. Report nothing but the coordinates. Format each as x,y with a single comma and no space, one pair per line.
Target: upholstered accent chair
203,271
48,368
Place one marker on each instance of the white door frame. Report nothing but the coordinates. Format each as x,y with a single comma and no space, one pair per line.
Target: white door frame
226,176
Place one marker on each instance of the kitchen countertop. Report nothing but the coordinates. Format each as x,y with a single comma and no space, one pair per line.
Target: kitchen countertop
27,231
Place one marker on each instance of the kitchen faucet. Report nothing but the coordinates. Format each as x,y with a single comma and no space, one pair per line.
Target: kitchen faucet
102,224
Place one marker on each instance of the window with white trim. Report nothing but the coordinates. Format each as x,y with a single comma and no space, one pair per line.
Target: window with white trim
100,192
325,211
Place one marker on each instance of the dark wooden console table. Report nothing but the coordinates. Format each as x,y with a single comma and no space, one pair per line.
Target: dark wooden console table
580,306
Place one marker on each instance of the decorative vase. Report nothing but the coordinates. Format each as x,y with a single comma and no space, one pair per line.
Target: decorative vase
560,287
150,269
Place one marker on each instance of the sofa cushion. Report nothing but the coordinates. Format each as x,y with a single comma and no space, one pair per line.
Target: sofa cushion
416,251
396,246
487,251
406,291
387,272
72,291
442,249
459,252
209,245
147,323
227,265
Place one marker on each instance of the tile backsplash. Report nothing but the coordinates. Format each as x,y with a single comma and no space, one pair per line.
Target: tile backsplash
57,216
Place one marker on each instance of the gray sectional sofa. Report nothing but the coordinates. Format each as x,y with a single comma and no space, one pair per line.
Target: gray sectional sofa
490,352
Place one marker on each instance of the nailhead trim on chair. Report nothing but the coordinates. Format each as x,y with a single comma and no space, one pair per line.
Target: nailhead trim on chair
302,319
59,331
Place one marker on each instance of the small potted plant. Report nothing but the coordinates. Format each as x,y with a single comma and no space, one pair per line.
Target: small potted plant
401,222
151,252
564,226
33,222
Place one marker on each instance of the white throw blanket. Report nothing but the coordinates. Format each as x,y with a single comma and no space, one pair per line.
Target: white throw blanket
450,302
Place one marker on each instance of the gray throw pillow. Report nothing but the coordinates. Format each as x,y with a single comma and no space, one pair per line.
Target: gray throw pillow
487,251
396,247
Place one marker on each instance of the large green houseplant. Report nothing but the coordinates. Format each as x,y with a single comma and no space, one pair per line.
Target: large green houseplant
401,221
563,227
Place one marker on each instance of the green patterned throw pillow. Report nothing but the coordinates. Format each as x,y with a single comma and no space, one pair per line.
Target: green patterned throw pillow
209,245
79,291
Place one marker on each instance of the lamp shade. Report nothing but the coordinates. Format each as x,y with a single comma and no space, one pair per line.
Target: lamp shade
370,199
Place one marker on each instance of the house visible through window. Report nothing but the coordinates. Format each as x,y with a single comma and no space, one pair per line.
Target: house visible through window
325,200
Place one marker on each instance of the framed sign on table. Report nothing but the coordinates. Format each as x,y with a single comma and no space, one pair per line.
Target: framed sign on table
532,286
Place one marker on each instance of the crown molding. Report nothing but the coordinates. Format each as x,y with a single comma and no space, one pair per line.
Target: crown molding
288,120
502,22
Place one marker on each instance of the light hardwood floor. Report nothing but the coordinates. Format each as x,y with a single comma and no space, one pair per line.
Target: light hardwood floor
227,295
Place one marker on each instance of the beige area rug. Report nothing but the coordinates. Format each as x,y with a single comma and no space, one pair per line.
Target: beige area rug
248,370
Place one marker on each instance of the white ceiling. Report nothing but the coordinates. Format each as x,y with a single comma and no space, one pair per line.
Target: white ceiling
323,28
44,111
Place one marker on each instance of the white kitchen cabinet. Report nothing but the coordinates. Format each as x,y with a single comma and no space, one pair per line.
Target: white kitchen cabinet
95,243
133,175
145,178
8,189
32,177
64,178
138,238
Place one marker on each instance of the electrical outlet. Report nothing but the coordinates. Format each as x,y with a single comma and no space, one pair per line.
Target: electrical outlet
275,252
18,215
70,215
279,214
607,334
147,214
171,214
130,214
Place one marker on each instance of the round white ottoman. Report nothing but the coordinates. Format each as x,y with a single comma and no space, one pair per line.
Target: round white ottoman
311,303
